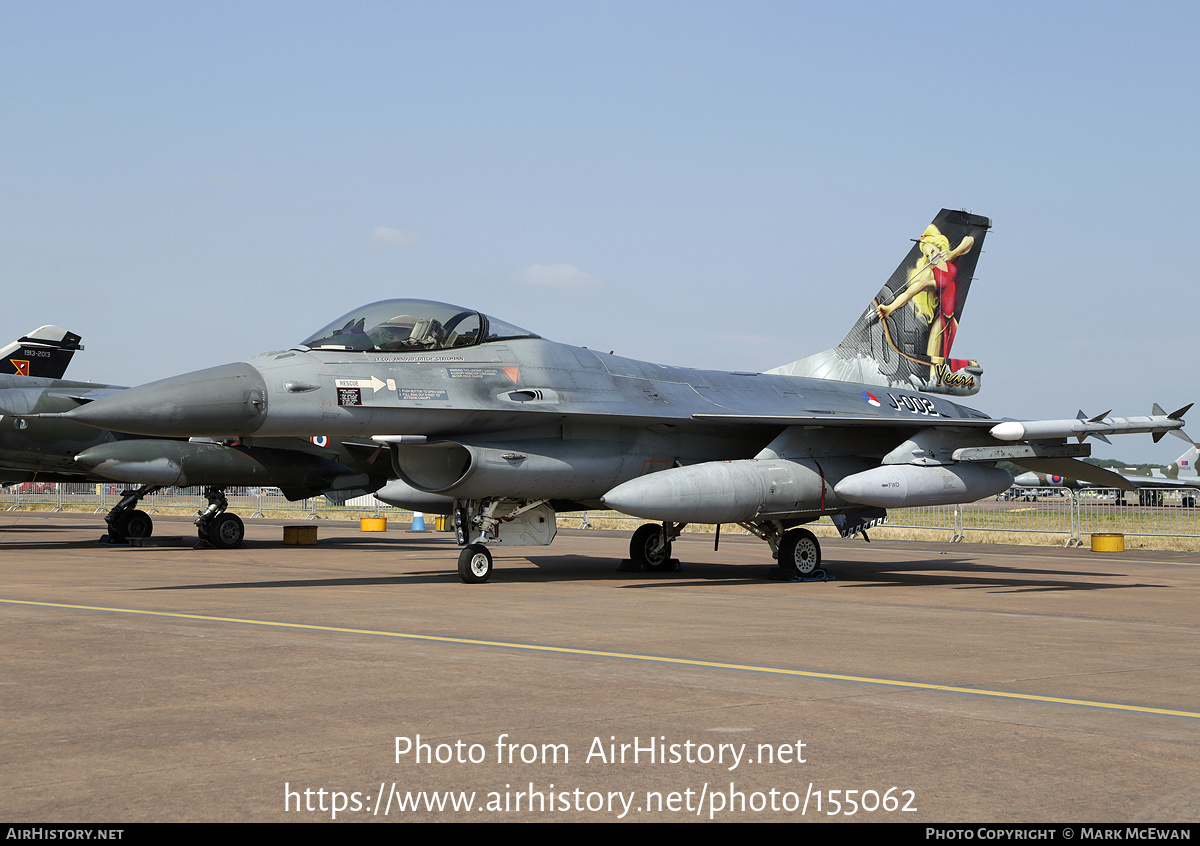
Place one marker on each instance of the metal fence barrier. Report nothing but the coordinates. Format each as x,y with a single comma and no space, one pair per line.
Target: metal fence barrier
1163,512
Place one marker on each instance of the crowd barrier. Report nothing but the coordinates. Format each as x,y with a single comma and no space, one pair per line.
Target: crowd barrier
1072,514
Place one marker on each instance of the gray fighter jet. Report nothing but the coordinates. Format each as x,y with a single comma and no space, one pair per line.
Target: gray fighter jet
60,450
43,353
30,369
505,428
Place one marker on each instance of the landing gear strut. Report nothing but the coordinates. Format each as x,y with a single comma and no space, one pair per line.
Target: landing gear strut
650,548
219,527
797,550
480,522
125,521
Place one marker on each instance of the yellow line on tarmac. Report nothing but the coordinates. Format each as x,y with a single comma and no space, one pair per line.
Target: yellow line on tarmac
632,656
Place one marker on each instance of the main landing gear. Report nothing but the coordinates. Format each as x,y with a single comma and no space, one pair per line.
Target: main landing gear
480,524
221,528
650,547
797,550
125,521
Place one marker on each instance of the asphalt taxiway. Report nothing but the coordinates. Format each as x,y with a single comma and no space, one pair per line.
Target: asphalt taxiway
927,682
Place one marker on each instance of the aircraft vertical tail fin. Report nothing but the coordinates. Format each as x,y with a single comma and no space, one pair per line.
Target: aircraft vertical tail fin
44,352
1184,467
905,336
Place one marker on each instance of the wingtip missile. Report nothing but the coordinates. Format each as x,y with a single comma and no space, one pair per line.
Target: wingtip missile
1099,427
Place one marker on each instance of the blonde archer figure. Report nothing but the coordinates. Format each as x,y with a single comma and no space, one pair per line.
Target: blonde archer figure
933,288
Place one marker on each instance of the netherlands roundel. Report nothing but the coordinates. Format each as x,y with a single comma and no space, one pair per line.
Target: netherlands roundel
871,398
320,440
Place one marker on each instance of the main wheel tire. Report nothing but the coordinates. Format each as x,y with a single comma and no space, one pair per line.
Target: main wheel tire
226,531
648,550
135,524
800,551
475,564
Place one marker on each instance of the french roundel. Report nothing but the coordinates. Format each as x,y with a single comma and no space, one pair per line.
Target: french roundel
320,440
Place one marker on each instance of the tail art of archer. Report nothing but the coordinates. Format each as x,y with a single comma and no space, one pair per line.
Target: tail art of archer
904,337
932,290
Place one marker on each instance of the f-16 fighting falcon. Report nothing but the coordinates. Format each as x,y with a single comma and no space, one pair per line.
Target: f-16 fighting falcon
504,428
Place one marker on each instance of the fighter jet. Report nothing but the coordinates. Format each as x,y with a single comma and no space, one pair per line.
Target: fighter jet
505,428
60,450
30,368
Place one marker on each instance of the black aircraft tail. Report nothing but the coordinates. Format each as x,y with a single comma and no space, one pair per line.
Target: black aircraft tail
905,336
44,352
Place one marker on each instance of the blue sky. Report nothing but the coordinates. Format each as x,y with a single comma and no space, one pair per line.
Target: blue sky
719,185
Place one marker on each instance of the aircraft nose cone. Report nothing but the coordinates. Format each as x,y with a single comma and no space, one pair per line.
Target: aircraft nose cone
226,401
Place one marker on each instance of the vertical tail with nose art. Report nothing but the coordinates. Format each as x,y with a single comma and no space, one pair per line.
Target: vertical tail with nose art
905,336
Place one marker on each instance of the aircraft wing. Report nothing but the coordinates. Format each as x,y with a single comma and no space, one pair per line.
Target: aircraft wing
1006,431
843,419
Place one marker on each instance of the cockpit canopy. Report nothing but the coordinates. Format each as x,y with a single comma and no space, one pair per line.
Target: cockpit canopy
411,326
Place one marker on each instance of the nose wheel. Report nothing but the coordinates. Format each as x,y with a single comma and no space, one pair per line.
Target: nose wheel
475,564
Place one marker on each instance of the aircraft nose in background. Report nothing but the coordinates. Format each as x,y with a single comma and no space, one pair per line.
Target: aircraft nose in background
225,401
